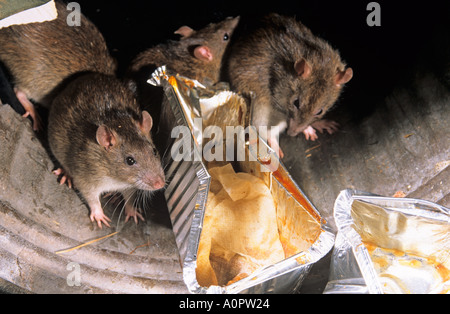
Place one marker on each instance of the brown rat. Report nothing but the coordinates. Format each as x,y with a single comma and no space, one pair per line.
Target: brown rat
197,55
295,76
102,140
40,56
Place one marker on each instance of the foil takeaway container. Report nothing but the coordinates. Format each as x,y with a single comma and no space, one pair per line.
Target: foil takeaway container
389,245
304,233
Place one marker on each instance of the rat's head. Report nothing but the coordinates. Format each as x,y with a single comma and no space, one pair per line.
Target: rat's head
209,43
130,153
311,90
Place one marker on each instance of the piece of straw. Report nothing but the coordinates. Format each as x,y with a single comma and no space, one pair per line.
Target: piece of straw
87,243
140,246
312,148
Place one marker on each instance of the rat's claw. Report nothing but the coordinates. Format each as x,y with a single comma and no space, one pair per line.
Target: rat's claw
100,217
328,125
63,180
64,177
133,212
37,122
30,110
310,133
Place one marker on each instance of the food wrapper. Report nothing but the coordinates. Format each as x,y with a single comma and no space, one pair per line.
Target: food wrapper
294,231
240,228
389,245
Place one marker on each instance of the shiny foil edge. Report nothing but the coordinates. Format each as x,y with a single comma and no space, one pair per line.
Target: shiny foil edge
344,221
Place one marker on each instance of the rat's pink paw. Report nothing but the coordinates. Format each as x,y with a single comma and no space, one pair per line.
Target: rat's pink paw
30,110
328,125
63,177
131,211
310,133
100,218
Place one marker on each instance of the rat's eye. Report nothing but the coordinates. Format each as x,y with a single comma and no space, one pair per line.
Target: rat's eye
155,152
226,36
318,113
130,161
297,103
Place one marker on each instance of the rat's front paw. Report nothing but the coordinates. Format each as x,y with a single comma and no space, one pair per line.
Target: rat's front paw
131,211
100,218
310,133
30,110
328,125
63,177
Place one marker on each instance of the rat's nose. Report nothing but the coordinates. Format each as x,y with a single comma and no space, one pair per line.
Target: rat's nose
154,182
294,128
159,183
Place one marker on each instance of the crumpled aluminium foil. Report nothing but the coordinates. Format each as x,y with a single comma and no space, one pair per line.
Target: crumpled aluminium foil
389,245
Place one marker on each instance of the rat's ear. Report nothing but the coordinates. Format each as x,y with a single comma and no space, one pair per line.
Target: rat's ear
184,31
302,68
343,77
147,122
203,53
105,137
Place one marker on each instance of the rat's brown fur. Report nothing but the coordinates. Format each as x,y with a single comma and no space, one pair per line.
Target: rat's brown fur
96,102
40,56
179,55
267,61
